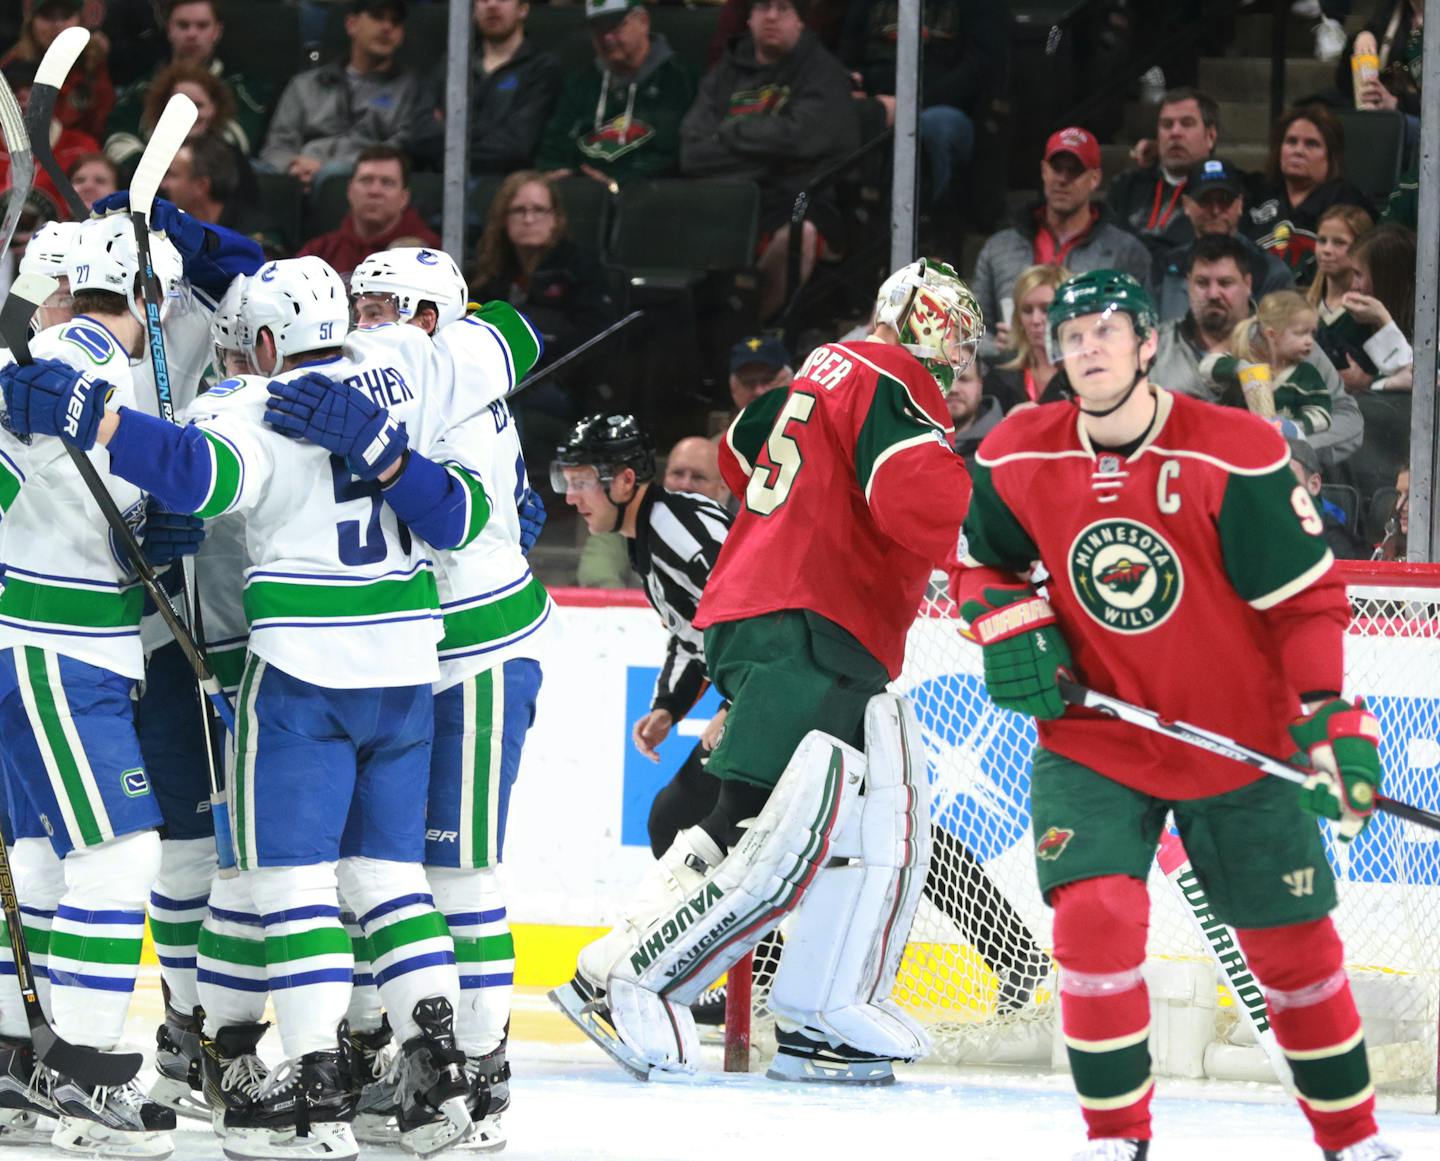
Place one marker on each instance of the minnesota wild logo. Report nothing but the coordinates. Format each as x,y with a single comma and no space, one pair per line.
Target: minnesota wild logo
1126,575
615,138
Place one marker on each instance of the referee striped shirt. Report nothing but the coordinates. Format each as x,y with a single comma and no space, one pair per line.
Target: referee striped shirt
678,536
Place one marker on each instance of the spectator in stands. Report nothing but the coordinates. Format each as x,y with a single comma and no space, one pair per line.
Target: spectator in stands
693,465
94,176
758,364
1064,229
1395,36
1219,289
205,181
1374,331
69,145
380,214
1303,178
1339,229
974,413
87,96
1397,528
1027,374
1213,202
825,18
193,30
328,115
1146,200
621,119
526,257
776,109
962,69
1344,543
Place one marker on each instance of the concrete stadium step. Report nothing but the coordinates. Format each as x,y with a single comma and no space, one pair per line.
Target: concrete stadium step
1247,78
1252,33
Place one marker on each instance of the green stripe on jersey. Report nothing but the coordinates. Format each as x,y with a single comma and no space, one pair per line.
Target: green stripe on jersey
519,337
329,940
1333,1078
231,948
486,949
227,665
478,503
271,600
417,928
225,477
91,948
481,624
55,604
53,720
9,486
1107,1075
1264,538
993,535
892,420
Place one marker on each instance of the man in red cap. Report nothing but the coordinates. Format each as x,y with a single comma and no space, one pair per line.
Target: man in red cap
1064,229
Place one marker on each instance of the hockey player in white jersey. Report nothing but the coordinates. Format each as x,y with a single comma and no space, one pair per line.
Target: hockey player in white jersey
495,611
48,253
334,715
70,656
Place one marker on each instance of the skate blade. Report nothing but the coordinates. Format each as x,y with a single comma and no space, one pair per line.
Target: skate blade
799,1070
179,1097
588,1019
452,1128
23,1127
486,1136
326,1141
76,1135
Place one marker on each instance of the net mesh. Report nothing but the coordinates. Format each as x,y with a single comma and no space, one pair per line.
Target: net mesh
977,969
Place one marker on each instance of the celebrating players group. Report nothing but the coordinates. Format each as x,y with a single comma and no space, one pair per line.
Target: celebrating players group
342,518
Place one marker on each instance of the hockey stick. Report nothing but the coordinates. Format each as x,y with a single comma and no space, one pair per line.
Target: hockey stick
1204,739
89,1066
588,345
60,57
22,163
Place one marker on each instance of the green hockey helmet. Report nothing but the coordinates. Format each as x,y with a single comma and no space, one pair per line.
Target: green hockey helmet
935,314
1099,292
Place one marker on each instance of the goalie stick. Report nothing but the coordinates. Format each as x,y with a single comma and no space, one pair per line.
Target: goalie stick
1204,739
60,57
22,163
88,1066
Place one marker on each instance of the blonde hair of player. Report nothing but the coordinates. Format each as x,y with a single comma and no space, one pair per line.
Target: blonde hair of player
1032,278
1254,339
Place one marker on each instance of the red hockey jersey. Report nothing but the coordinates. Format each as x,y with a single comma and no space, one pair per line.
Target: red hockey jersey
1190,578
850,495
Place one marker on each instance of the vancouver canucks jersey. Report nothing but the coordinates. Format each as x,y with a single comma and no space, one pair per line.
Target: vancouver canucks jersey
68,586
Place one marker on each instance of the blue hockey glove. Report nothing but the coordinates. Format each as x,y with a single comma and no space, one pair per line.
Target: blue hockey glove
532,518
48,397
340,419
186,232
170,535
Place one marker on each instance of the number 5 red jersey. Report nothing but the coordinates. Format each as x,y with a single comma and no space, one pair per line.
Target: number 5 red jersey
850,496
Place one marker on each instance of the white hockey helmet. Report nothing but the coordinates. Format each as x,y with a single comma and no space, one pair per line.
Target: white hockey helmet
936,316
48,251
103,256
225,326
301,302
412,275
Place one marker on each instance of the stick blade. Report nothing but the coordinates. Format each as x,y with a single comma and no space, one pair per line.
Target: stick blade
170,132
61,56
27,292
12,122
89,1067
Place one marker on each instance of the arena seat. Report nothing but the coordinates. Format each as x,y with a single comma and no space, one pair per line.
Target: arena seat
1374,143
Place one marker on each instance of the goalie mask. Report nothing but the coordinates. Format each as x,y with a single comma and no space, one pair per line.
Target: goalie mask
301,302
410,276
103,256
937,318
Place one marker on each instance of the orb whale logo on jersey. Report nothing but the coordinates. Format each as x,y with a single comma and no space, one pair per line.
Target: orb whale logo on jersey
1126,575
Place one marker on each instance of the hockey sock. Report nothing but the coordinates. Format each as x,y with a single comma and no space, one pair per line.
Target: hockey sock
230,957
177,909
474,910
411,954
96,936
308,963
365,1013
1312,1011
1100,927
39,884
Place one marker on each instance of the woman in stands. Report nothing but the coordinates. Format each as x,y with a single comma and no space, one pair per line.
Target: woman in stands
87,96
94,176
1303,178
1027,376
1371,336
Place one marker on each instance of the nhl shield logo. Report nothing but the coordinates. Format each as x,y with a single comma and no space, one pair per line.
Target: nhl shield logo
1109,465
1053,842
1126,575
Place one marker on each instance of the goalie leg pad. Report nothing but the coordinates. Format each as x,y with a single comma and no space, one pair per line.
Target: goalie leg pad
763,878
843,948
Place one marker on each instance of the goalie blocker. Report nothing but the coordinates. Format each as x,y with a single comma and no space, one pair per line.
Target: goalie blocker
843,845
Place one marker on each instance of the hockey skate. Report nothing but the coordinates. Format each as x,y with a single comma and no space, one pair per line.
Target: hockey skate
111,1122
177,1065
431,1084
24,1095
804,1055
231,1070
1114,1149
586,1006
1370,1149
302,1110
489,1096
374,1071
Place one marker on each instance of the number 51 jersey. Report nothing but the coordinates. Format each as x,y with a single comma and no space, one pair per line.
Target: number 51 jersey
850,496
1190,577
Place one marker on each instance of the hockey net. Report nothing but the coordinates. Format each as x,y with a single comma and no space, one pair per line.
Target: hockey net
977,969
